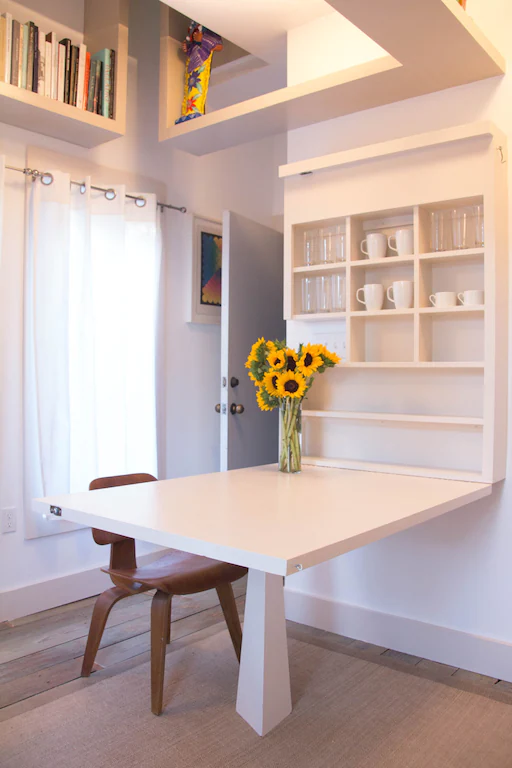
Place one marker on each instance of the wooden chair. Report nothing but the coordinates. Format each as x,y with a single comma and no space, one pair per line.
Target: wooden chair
175,573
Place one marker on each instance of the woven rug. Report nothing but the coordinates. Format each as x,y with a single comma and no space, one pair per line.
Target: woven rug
348,713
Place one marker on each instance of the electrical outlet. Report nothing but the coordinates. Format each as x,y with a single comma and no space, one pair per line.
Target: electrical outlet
8,520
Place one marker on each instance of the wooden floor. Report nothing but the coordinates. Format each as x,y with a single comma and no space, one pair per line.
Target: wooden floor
41,655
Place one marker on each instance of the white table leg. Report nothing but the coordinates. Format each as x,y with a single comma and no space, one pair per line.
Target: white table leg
264,697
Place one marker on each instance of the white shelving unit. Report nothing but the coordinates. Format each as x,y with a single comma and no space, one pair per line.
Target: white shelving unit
420,390
105,26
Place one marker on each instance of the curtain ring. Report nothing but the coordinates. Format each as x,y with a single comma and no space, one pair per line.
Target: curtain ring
110,194
83,188
140,202
46,178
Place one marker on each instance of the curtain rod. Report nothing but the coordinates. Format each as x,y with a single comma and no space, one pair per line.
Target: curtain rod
47,178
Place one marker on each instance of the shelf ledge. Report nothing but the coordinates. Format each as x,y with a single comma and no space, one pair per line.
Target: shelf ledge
457,421
389,261
335,267
401,469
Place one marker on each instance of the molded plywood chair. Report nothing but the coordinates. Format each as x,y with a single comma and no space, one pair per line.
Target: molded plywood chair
175,573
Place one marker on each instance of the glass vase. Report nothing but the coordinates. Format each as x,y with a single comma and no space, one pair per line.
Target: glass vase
290,423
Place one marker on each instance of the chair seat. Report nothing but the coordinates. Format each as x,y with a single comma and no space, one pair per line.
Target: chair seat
179,573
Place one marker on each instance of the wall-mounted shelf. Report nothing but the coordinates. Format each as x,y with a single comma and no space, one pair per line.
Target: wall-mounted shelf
399,469
384,407
458,310
411,418
455,256
461,54
105,26
416,366
391,261
337,266
321,316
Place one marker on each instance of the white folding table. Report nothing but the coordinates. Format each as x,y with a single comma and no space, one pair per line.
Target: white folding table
275,525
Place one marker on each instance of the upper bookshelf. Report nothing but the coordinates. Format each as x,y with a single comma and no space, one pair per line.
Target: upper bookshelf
430,46
105,26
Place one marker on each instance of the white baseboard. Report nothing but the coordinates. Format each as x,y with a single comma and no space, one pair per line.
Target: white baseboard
484,655
44,595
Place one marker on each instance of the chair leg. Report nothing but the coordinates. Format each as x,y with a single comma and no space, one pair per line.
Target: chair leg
229,609
169,623
160,621
102,608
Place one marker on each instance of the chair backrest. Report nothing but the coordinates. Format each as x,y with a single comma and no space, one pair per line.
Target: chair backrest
122,551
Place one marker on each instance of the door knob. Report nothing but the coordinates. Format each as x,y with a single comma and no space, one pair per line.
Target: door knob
234,382
236,408
217,407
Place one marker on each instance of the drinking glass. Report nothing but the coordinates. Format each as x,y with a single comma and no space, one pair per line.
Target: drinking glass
440,231
338,293
341,253
311,247
461,227
323,293
308,295
330,244
479,225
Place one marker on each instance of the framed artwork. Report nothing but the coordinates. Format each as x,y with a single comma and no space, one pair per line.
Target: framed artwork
206,298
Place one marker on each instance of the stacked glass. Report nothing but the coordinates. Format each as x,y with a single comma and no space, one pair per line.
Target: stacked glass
457,228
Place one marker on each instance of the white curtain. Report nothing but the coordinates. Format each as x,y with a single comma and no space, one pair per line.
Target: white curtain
91,312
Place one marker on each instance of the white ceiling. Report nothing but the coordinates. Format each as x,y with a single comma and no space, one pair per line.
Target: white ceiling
256,25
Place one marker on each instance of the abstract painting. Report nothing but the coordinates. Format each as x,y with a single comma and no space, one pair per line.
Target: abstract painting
206,271
211,269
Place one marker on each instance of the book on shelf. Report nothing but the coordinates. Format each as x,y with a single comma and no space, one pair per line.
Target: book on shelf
37,61
29,80
66,42
15,53
104,96
41,45
47,69
24,54
80,77
61,72
8,46
87,76
73,72
92,86
111,111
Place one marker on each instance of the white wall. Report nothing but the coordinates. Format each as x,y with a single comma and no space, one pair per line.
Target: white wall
327,44
455,572
242,179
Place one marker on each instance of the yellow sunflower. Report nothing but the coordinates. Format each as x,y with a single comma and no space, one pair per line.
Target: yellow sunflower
270,382
291,384
276,359
331,356
260,399
310,361
291,358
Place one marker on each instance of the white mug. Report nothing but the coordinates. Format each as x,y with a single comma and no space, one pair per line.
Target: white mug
376,245
404,242
401,294
471,298
443,299
373,296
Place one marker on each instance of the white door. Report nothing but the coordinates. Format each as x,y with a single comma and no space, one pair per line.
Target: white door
252,306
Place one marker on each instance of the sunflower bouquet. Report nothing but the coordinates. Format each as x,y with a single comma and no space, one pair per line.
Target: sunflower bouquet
282,377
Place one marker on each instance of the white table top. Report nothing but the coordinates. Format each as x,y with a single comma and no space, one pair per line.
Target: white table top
264,519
